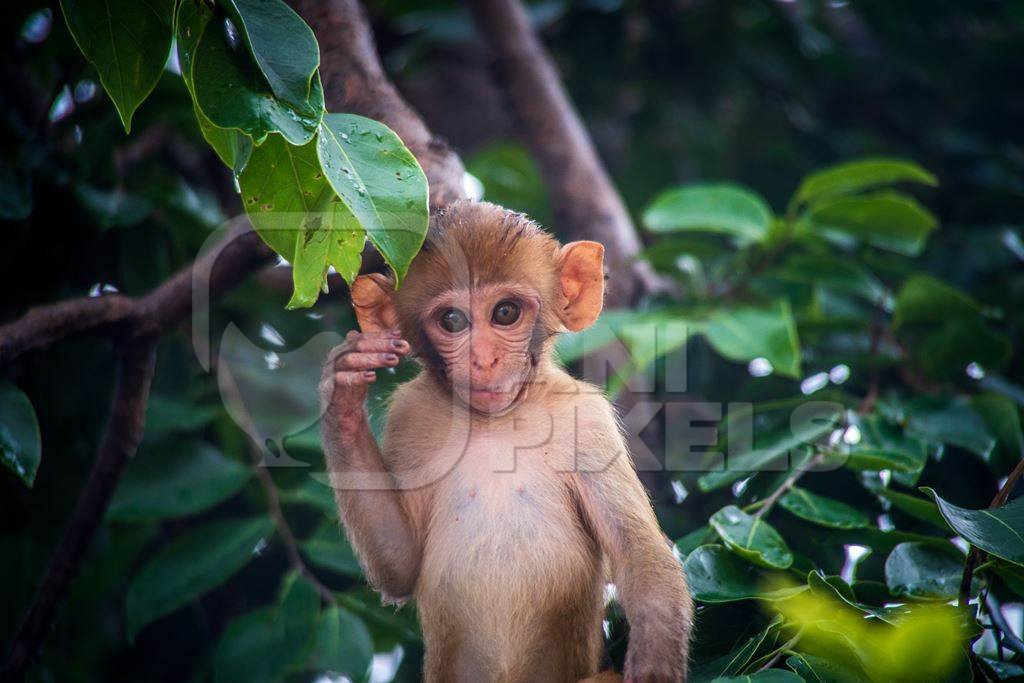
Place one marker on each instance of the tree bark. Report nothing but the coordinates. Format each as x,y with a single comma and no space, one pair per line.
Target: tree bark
354,81
585,203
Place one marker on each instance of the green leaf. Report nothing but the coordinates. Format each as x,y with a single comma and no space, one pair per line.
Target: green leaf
233,147
380,181
888,220
295,211
1002,417
329,549
751,537
176,414
265,645
821,670
127,41
924,571
728,209
731,663
717,575
950,420
743,334
312,492
856,176
342,645
176,480
924,299
20,446
231,92
190,566
919,508
769,449
873,459
996,530
885,446
282,45
840,274
821,510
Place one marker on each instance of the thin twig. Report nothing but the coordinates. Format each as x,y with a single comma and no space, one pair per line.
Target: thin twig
788,484
1010,640
284,531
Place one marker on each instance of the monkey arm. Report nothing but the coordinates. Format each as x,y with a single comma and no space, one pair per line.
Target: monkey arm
377,522
649,579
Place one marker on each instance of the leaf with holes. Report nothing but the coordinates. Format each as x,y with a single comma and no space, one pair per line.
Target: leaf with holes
295,211
380,181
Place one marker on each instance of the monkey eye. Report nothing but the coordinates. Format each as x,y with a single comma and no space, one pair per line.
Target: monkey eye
453,320
505,313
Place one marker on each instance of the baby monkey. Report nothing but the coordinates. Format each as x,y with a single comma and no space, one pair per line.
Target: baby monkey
502,498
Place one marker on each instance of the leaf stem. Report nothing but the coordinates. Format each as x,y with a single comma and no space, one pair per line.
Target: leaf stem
788,484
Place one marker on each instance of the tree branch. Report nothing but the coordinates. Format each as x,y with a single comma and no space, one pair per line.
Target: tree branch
354,81
120,441
585,203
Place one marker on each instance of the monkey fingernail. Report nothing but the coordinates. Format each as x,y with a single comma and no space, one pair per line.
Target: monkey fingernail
370,375
399,344
390,358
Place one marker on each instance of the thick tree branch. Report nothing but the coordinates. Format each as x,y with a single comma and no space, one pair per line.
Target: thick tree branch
354,81
585,203
120,441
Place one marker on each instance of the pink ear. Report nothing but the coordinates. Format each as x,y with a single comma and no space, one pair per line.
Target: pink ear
371,297
581,273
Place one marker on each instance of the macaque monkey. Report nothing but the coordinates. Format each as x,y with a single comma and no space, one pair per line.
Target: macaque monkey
502,498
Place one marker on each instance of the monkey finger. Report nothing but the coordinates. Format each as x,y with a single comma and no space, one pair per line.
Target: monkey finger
355,361
367,344
356,378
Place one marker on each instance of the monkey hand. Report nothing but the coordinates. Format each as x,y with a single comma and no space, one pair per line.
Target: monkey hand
351,368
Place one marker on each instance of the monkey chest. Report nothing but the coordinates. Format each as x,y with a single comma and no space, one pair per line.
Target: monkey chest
498,532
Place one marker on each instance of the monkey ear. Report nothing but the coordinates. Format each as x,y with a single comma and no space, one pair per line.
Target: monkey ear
372,299
581,274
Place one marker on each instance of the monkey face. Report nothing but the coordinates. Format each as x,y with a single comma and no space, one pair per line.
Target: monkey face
486,341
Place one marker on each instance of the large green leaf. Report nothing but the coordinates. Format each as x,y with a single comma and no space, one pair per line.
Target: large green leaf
176,480
924,299
751,537
950,420
728,209
20,448
190,566
267,644
127,41
231,92
925,571
295,211
888,220
999,531
328,548
381,182
841,274
734,661
743,334
885,446
173,414
717,575
233,147
822,510
282,45
342,645
1002,417
856,176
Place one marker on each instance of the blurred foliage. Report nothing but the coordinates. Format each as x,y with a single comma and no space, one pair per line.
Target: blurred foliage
861,322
